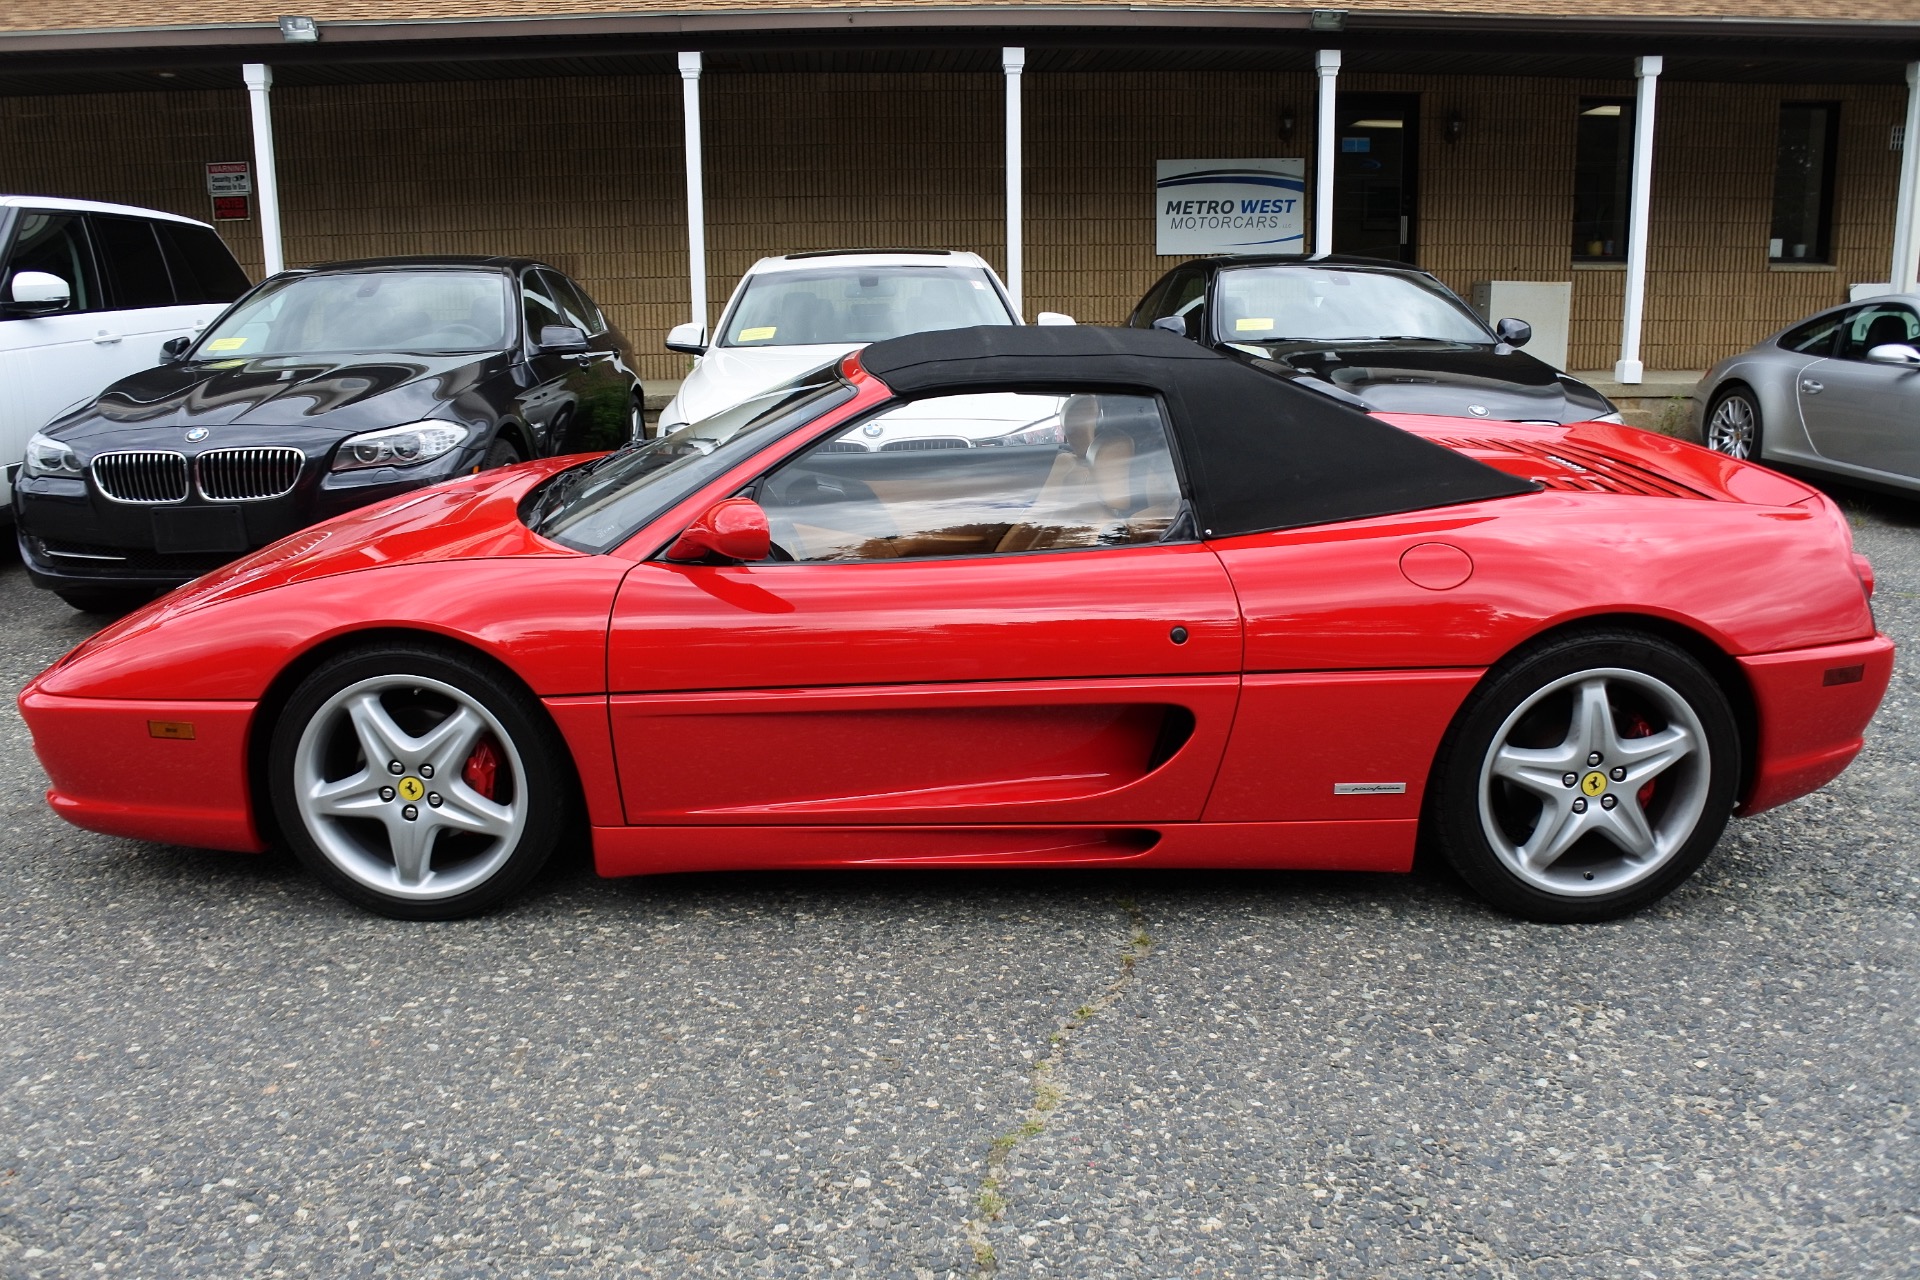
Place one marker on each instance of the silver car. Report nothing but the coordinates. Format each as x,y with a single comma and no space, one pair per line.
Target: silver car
1838,392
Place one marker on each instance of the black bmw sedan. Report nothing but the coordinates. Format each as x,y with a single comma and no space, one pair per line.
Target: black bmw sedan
1381,335
321,390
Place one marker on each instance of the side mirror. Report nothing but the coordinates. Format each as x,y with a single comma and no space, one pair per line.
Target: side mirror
1897,353
562,338
1054,317
174,350
733,529
1515,333
689,338
38,293
1176,325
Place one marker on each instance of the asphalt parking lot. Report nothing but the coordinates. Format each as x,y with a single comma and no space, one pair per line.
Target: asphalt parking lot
211,1067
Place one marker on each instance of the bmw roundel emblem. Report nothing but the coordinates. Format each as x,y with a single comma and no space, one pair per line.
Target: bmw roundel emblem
196,434
1477,410
872,429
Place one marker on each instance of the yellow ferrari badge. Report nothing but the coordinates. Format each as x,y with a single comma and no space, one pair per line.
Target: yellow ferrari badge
412,788
1593,784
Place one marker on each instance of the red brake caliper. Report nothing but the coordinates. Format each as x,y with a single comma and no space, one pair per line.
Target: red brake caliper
482,771
1637,727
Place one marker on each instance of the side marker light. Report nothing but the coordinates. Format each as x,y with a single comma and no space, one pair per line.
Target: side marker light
179,730
1845,675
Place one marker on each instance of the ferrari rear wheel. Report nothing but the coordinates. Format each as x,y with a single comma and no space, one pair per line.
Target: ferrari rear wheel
1733,424
1587,778
418,783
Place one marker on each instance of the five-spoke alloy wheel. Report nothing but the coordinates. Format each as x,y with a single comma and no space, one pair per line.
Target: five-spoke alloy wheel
417,782
1587,778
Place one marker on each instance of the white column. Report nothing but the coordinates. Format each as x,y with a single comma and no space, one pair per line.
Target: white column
266,183
1013,62
1327,63
696,190
1906,218
1628,368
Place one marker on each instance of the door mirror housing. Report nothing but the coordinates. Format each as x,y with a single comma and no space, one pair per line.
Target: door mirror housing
38,293
688,339
732,530
1175,325
1054,317
562,338
1515,333
174,350
1895,353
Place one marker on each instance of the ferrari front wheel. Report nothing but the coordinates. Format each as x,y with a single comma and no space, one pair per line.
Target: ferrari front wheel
1588,778
417,782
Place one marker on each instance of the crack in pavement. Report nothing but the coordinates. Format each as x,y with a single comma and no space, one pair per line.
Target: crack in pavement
1048,1083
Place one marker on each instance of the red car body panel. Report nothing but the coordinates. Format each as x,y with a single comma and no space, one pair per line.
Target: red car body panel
1034,709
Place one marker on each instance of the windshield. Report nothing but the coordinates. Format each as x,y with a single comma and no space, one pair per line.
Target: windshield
1321,304
597,506
345,312
849,305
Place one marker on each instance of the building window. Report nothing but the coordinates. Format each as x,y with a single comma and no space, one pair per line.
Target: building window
1803,183
1602,179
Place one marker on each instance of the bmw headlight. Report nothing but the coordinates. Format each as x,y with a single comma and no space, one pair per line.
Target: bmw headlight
49,457
406,446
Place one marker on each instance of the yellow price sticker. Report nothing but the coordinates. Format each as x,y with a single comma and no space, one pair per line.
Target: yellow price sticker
760,334
226,344
1253,324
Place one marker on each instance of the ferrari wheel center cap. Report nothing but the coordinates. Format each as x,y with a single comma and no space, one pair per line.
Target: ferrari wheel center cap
412,788
1593,784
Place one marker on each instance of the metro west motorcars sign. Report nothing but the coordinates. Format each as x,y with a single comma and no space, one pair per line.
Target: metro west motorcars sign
1229,206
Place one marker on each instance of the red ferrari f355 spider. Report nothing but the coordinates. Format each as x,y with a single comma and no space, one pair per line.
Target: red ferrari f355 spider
1014,597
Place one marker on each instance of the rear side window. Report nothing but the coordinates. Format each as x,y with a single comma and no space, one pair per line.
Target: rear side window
56,243
202,266
136,270
1815,337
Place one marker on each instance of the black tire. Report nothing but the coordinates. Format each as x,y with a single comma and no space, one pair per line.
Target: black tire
466,874
112,601
501,453
1683,806
1740,435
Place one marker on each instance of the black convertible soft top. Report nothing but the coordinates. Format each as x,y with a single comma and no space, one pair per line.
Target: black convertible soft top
1260,453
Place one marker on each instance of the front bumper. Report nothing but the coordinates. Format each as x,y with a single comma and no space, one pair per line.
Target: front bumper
1812,707
173,772
70,535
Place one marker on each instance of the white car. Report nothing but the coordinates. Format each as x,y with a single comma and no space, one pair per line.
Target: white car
797,312
89,294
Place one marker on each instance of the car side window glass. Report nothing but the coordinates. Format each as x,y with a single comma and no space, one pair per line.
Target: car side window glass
1187,298
541,308
202,266
56,244
1877,326
1815,337
575,305
982,474
136,270
1149,309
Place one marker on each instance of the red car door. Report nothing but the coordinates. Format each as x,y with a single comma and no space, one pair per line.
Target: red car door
1006,633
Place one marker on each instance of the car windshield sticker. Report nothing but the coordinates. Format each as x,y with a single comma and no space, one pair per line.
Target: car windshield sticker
226,344
1253,324
760,334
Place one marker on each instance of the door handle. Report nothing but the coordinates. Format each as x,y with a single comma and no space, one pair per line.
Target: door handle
1812,387
104,339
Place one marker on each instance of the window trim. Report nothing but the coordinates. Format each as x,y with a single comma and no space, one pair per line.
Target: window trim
1182,531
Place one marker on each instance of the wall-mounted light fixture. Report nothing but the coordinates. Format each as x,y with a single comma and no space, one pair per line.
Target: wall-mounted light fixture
299,30
1455,128
1288,123
1327,20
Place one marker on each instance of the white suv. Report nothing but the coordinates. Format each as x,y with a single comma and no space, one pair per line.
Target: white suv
89,293
797,312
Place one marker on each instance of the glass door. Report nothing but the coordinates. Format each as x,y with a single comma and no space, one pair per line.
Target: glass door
1375,174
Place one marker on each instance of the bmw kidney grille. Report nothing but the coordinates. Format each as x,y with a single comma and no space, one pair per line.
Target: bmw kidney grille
247,475
142,475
